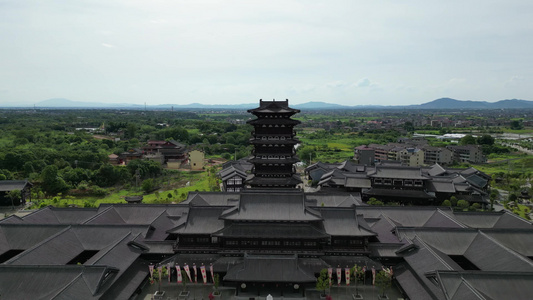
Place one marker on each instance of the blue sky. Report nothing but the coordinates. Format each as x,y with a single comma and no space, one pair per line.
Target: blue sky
345,52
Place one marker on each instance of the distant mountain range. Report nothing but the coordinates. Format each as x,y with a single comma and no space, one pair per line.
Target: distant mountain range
442,103
447,103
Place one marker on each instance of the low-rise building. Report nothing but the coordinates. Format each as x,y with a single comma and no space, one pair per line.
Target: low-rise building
196,160
411,157
468,154
437,155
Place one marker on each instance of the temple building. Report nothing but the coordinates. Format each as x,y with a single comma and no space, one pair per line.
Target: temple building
274,141
266,236
422,185
260,241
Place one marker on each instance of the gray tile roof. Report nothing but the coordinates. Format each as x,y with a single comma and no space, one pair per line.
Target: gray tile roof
459,285
22,237
411,284
401,215
271,207
11,185
357,183
344,222
210,198
334,200
398,172
520,240
451,242
51,282
201,220
383,227
501,220
441,186
499,258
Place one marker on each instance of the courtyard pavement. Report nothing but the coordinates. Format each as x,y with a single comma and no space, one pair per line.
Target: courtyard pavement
201,292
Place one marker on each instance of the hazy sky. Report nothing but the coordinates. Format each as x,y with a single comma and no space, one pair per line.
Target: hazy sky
346,52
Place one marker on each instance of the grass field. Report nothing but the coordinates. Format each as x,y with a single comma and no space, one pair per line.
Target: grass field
507,163
198,181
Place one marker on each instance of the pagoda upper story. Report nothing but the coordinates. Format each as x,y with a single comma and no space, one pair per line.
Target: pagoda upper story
274,141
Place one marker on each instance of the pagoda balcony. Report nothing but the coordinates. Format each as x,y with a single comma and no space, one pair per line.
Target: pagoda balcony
274,171
266,152
255,141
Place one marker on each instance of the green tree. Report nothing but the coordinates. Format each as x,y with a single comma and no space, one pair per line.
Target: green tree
52,183
447,203
453,200
216,283
147,185
408,126
307,154
513,197
131,130
516,125
147,168
485,140
15,196
463,204
492,198
383,281
322,282
467,140
374,201
476,206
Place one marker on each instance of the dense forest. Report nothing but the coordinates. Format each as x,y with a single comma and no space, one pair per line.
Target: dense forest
61,150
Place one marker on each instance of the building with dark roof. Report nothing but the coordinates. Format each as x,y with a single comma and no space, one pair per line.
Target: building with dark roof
264,237
403,184
7,186
274,141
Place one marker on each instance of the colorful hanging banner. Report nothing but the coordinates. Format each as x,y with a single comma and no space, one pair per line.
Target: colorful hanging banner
160,271
204,273
178,270
347,274
195,273
330,274
373,275
212,273
169,269
188,271
151,268
339,276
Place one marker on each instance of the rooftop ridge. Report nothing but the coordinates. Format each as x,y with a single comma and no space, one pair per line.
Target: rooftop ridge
113,246
69,284
102,212
449,217
432,251
519,256
27,251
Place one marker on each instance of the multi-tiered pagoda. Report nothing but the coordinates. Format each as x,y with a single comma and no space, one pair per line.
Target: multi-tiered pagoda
274,141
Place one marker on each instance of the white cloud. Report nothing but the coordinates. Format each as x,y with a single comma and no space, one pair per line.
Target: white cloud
514,81
364,82
320,50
